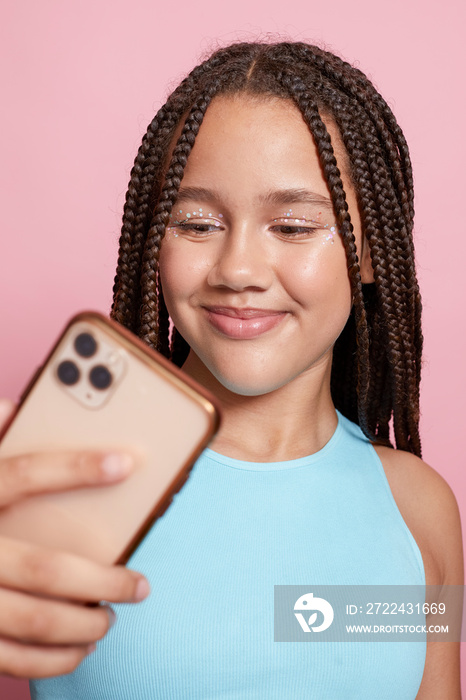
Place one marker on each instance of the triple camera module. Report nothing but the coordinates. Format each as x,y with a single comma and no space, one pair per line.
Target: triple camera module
68,372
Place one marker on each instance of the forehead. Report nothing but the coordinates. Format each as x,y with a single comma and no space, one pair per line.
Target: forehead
254,144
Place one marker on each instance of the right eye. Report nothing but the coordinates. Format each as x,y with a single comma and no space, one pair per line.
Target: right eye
200,228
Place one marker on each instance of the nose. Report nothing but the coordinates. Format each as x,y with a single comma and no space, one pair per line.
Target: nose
241,261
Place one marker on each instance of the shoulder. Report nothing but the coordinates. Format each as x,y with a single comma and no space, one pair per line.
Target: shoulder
430,510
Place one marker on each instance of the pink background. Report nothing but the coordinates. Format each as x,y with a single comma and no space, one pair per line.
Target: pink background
80,82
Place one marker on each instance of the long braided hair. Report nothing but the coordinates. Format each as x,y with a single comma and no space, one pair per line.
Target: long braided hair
377,358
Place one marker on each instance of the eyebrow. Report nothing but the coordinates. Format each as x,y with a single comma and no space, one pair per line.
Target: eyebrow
285,196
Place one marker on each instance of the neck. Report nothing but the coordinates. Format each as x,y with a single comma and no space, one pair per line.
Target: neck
292,421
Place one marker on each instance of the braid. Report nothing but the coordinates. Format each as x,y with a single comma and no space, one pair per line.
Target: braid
376,365
380,210
149,314
136,215
356,84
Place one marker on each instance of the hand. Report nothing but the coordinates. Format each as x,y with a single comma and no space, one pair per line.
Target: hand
45,627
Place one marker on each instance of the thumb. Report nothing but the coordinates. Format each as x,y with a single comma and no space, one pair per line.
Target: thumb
7,406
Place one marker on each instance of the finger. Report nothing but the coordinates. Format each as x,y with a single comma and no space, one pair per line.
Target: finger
27,474
25,567
21,661
30,619
7,406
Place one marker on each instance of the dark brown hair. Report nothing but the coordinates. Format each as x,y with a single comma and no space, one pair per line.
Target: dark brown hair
377,358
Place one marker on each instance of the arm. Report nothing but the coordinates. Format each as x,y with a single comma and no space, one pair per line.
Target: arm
429,508
441,679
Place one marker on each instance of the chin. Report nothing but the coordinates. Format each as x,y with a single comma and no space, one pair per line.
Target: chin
248,390
251,384
252,374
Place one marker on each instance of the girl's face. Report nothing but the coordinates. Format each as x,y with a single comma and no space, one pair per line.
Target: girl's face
253,270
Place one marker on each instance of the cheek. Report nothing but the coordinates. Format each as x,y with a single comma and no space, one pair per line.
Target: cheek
181,274
322,275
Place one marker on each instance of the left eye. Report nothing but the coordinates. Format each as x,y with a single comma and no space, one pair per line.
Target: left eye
295,230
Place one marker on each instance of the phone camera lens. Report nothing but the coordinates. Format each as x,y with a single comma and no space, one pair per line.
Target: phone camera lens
85,345
67,372
100,377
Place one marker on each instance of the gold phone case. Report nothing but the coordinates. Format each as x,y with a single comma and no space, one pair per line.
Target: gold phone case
127,396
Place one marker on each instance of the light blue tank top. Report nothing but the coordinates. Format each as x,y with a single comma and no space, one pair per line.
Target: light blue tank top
234,531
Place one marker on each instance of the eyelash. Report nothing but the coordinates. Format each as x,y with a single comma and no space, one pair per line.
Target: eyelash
193,226
292,232
298,230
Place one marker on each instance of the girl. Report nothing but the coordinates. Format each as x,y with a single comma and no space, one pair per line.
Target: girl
269,216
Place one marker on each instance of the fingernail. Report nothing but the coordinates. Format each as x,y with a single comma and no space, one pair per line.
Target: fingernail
142,590
116,465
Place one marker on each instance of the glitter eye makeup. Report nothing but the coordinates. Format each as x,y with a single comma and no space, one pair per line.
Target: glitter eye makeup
330,235
188,223
288,215
187,220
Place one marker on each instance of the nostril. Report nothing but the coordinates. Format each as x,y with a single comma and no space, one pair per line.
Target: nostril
240,272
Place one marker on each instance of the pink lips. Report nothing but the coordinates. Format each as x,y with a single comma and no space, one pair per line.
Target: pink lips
243,323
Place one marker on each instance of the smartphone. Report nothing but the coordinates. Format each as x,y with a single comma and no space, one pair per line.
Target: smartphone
101,387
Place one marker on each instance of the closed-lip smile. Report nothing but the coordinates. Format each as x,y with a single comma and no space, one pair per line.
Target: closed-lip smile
243,323
246,312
